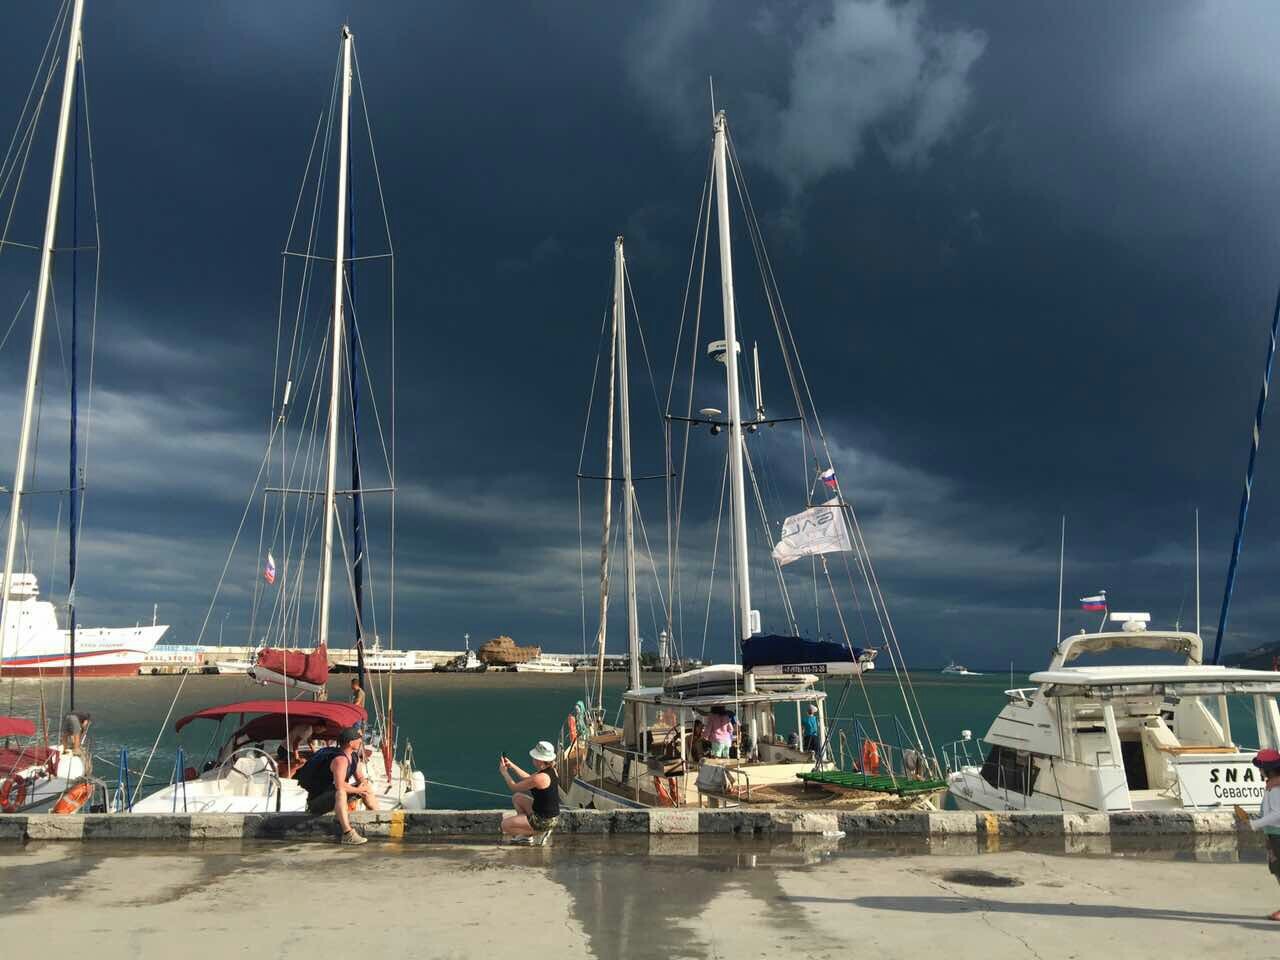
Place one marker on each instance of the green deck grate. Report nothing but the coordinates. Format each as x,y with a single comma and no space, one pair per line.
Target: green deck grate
878,783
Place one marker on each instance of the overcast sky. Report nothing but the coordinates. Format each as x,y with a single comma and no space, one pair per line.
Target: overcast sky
1028,251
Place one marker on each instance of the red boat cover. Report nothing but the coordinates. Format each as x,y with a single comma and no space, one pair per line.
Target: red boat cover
16,727
310,667
12,761
328,717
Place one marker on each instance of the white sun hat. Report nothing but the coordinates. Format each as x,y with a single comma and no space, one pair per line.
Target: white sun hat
543,751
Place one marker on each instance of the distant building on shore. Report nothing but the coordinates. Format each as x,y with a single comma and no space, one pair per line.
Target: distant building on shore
504,652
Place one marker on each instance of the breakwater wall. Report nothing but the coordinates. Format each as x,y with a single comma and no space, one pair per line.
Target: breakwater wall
426,825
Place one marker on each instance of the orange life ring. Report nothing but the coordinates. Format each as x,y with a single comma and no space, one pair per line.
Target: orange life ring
573,728
870,757
74,798
13,794
51,763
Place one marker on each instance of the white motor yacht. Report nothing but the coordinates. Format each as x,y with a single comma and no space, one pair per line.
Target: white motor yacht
545,663
954,669
1117,738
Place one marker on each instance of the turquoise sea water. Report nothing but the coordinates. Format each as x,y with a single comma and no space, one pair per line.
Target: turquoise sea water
458,723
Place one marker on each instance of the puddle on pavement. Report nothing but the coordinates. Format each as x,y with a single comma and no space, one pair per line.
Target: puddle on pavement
980,878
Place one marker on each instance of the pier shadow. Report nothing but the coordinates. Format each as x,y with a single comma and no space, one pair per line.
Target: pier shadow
953,905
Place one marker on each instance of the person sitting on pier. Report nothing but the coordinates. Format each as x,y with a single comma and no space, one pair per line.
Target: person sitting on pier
334,780
538,809
719,728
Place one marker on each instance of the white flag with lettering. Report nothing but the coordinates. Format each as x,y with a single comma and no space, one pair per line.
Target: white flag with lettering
817,530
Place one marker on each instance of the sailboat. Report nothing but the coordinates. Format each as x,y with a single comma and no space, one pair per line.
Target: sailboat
35,776
253,768
656,757
31,642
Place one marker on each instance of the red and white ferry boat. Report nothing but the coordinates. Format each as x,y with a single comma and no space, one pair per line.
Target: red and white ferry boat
34,645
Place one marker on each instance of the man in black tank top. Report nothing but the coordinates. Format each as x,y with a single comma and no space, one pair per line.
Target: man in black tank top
537,796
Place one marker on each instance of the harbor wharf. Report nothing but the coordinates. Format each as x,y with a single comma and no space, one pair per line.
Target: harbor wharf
1215,829
660,896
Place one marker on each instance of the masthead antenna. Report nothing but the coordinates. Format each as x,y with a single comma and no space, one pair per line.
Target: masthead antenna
711,83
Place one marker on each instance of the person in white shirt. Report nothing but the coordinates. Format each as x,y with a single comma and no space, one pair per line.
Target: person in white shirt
1268,819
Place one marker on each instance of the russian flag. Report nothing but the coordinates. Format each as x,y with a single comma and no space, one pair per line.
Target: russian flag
269,571
1096,604
828,477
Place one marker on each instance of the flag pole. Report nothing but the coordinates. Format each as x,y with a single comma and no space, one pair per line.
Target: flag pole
1062,552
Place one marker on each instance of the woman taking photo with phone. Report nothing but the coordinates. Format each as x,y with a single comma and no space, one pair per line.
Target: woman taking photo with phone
536,796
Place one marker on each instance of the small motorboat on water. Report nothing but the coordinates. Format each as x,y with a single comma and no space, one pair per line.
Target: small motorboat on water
249,772
467,662
545,663
954,669
1116,738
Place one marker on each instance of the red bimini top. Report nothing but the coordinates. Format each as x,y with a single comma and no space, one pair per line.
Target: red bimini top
16,727
327,717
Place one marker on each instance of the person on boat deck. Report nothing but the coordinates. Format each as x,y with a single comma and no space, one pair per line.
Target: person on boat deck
349,783
75,727
697,748
299,735
536,795
719,727
1268,820
357,693
810,726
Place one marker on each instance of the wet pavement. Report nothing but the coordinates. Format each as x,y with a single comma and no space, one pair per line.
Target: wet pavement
657,897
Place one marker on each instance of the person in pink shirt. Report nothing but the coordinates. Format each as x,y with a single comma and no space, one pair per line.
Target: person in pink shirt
719,731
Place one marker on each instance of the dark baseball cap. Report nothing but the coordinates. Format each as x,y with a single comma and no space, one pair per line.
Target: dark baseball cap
349,734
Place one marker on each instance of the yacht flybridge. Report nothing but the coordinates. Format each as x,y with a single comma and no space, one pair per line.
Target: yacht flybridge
1115,738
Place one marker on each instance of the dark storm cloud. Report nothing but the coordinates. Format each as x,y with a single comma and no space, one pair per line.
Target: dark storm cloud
1028,251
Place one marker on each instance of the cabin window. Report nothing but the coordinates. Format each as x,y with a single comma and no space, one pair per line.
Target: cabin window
1013,770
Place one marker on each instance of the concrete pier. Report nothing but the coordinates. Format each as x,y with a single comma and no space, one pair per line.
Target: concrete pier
662,896
438,824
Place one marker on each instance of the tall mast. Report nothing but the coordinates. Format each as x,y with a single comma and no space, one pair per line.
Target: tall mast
608,517
42,302
336,342
628,490
737,485
73,489
357,497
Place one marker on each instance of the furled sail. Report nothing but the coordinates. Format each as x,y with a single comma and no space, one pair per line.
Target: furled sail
293,668
816,530
781,651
